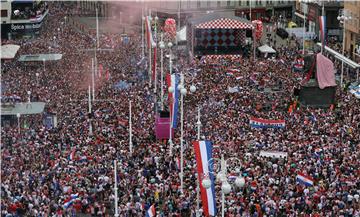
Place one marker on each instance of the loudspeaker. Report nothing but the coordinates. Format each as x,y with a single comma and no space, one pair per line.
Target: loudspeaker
164,114
296,92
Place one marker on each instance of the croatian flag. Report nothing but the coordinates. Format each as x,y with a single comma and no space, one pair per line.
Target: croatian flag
264,123
173,81
151,211
322,22
203,154
305,180
149,37
69,201
72,155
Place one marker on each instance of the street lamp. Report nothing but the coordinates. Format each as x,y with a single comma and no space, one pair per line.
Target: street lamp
18,118
116,190
342,19
225,185
171,90
29,96
183,93
162,47
304,28
37,78
130,129
44,63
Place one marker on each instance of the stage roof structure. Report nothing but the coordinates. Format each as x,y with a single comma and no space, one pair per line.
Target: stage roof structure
23,108
40,57
8,51
220,21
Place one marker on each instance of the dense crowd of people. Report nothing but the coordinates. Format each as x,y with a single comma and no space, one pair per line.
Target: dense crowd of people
67,171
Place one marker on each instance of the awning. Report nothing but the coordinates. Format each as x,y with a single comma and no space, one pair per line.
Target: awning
220,21
40,57
266,49
9,51
22,108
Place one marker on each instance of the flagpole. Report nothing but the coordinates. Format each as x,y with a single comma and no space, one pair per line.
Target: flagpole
198,123
89,117
97,28
116,190
162,46
155,53
130,129
142,32
93,78
170,71
150,45
322,14
182,94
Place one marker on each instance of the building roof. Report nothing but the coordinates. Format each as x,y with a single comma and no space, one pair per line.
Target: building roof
8,51
220,21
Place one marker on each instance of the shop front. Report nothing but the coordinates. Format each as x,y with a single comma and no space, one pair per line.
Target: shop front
20,30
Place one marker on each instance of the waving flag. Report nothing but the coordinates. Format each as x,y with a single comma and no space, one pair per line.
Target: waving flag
69,201
173,81
322,22
72,155
149,36
151,211
203,154
305,180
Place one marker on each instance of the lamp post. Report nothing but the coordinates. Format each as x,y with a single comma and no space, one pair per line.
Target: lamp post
155,58
89,104
29,96
222,177
342,19
150,65
142,35
183,91
171,90
130,129
37,78
304,28
44,64
18,120
116,190
162,47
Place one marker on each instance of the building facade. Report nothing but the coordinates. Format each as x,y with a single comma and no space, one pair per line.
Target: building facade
352,29
22,19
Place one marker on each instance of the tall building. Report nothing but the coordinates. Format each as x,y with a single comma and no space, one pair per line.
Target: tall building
352,29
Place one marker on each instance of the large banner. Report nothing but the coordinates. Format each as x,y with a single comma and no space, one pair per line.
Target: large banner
265,123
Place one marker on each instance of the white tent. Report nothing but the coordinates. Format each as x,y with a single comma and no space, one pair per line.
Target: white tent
8,51
181,34
266,49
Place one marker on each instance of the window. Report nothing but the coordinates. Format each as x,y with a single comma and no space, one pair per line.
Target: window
198,4
208,4
247,3
228,3
4,13
218,3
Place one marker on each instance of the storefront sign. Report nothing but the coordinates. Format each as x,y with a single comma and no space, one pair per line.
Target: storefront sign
24,27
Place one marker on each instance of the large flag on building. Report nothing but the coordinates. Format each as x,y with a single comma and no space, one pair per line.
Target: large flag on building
322,22
173,81
203,155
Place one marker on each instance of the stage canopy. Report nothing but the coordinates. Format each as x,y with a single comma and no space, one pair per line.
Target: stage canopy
220,21
266,49
8,51
216,33
40,57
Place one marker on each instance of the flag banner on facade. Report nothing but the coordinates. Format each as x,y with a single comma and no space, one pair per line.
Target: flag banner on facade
265,123
203,155
173,81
